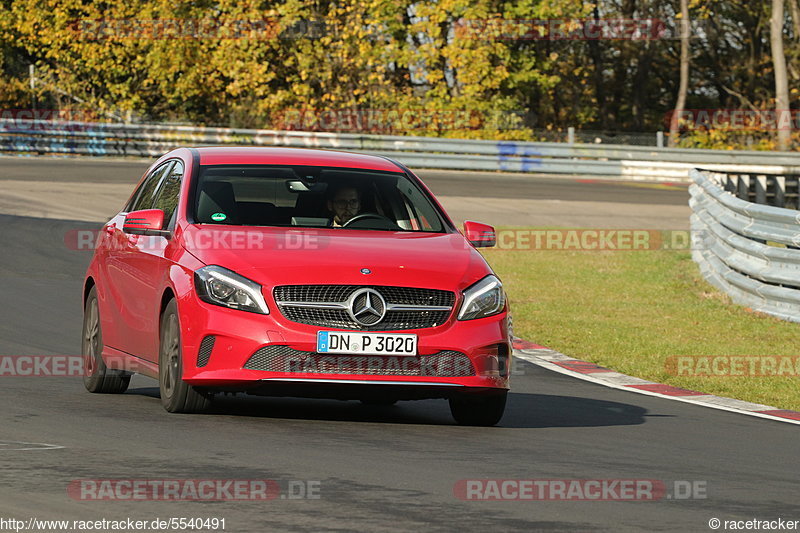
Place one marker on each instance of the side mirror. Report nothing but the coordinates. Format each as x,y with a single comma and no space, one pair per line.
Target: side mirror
145,222
480,235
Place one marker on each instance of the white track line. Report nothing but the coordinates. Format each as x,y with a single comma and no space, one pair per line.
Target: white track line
714,402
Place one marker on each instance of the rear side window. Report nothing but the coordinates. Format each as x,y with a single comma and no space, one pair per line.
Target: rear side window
168,193
146,194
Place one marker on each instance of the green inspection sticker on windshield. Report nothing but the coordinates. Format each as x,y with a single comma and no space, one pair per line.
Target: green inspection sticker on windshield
218,217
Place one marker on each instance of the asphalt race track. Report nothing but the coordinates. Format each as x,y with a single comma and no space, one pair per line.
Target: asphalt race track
375,468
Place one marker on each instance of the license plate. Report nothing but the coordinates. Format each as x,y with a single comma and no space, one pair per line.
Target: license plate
366,343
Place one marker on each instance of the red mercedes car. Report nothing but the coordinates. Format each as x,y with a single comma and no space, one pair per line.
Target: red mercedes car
295,272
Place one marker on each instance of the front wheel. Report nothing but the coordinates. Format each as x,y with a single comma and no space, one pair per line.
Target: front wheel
177,396
97,377
478,410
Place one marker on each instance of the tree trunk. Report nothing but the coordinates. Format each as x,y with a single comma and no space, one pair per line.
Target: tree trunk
683,88
782,112
599,85
795,18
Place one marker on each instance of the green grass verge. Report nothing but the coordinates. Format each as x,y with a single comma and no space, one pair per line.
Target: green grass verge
630,311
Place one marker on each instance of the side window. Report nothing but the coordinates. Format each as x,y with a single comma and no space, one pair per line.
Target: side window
168,193
145,196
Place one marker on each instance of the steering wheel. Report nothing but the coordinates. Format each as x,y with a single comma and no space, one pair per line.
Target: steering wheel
371,216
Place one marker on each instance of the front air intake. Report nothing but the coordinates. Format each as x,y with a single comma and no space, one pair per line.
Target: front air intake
206,347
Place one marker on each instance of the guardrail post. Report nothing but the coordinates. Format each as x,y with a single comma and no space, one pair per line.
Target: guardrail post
761,189
743,191
570,135
780,191
660,139
730,183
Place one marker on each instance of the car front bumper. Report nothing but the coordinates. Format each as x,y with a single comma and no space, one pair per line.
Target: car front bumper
220,345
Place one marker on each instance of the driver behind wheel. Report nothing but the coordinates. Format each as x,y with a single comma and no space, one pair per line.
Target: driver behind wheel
344,204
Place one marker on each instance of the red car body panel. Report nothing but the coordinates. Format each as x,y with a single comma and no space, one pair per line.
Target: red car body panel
293,156
135,275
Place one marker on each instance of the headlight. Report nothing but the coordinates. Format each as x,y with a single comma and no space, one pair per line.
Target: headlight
485,298
220,286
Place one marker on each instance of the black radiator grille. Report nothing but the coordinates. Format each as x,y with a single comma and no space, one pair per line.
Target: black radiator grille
394,319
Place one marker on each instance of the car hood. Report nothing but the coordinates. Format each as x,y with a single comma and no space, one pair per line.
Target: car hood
280,256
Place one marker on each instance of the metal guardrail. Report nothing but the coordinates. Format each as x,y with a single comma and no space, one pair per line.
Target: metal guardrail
619,161
751,251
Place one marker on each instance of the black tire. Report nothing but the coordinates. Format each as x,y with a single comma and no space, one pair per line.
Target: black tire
386,402
96,376
478,410
177,396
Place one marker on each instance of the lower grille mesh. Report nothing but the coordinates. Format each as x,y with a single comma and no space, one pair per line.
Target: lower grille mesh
277,358
206,347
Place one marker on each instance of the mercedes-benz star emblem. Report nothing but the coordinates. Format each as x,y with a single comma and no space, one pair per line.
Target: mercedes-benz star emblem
367,307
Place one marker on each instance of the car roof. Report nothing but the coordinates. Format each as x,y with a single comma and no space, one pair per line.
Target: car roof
268,155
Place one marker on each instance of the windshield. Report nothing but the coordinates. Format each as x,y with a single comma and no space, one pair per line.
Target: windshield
301,196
